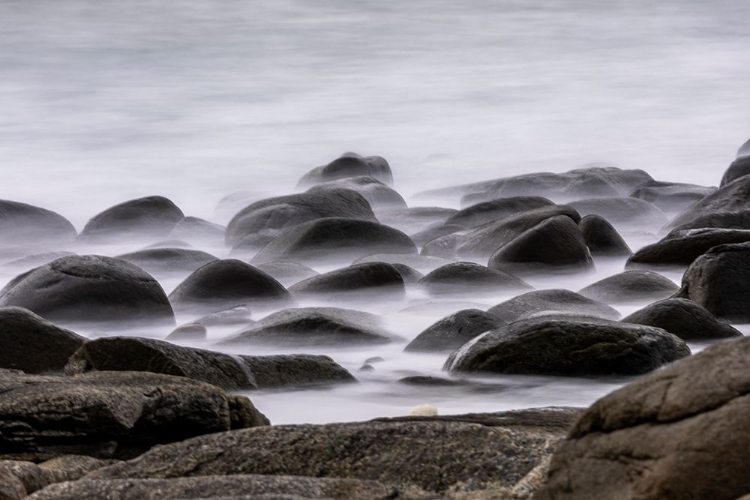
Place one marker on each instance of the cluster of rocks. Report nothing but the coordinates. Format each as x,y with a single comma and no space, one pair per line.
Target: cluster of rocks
130,417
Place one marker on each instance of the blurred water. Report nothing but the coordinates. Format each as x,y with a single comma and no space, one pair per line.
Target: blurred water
108,100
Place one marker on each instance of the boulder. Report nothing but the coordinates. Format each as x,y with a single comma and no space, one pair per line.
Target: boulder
315,326
168,260
681,247
568,346
671,196
199,231
132,354
350,165
149,217
237,315
36,260
421,263
423,237
377,194
90,289
32,344
283,212
335,238
631,286
460,453
287,273
738,168
551,302
601,238
554,245
414,219
728,220
453,331
353,281
459,278
744,149
718,280
624,213
28,477
250,244
490,211
680,433
189,332
22,224
410,275
225,283
684,318
110,414
731,197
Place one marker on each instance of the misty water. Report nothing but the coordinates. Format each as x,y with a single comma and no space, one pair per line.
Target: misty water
107,101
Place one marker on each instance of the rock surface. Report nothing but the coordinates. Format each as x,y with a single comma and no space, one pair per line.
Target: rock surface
377,193
168,260
549,302
624,213
489,211
630,286
354,281
681,248
148,217
732,197
22,224
738,168
467,277
671,196
602,238
350,165
684,318
680,432
451,332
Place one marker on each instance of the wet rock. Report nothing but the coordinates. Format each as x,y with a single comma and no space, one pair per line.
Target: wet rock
681,247
225,283
315,326
630,286
458,452
468,277
490,211
232,203
131,354
32,344
284,212
86,289
551,302
414,219
718,280
727,220
107,414
731,197
602,238
624,213
421,263
350,165
200,231
455,330
235,487
423,237
684,318
568,346
555,245
366,368
738,168
377,194
22,224
238,315
169,244
249,245
188,333
287,273
410,275
149,217
335,238
37,260
168,260
744,149
671,196
354,281
680,432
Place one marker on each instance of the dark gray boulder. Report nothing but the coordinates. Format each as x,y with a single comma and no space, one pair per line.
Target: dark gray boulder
36,260
554,245
414,219
353,281
494,452
189,332
551,302
718,280
624,213
149,217
225,283
744,149
568,346
350,165
199,231
421,263
250,244
133,354
681,247
168,260
86,289
680,433
315,326
27,477
283,212
453,331
684,318
287,273
631,286
671,196
110,414
22,224
377,193
459,278
602,238
731,197
237,315
32,344
738,168
423,237
728,220
335,238
489,211
410,275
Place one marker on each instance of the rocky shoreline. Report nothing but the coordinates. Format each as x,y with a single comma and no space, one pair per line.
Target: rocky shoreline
88,409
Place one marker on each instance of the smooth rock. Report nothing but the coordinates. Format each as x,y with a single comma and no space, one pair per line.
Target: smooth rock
460,278
602,238
23,224
377,193
453,331
624,213
493,210
728,220
354,281
414,219
423,237
168,260
630,286
684,318
148,217
671,196
188,332
350,165
738,168
551,302
287,273
198,231
421,263
731,197
681,247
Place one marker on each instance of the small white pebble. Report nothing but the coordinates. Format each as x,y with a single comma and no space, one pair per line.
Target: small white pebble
425,410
